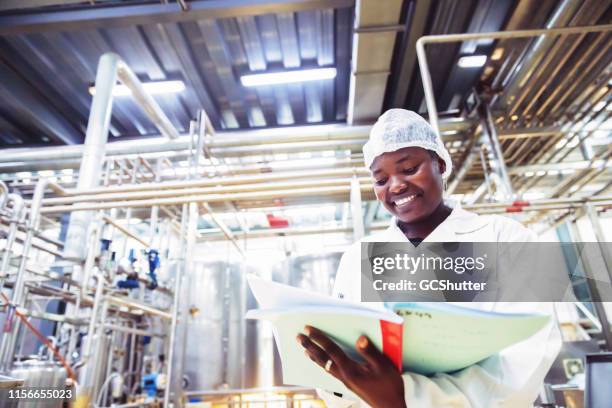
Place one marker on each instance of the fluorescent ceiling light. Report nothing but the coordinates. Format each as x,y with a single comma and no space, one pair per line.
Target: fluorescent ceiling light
288,77
472,61
158,87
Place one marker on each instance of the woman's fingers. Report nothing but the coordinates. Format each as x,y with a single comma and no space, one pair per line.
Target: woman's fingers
374,357
332,349
318,355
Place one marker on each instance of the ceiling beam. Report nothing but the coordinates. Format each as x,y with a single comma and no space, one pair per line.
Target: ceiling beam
398,89
21,97
93,18
376,27
7,5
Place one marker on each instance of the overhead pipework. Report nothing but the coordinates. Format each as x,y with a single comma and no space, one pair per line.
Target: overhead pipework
131,216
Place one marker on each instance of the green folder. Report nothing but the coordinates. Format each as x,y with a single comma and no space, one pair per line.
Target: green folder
436,337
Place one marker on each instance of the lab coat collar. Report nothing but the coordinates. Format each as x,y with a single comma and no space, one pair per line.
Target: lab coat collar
459,222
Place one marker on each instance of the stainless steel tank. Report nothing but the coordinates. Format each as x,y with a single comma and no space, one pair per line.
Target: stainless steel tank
41,374
222,349
215,345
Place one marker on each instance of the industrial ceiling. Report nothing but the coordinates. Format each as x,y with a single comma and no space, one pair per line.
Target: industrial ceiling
549,96
49,52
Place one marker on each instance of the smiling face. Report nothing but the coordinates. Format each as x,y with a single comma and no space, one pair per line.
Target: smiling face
409,182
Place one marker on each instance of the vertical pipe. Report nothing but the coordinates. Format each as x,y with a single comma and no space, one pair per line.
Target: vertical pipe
9,339
97,363
3,194
599,234
428,90
93,241
131,360
188,230
155,209
128,216
16,218
356,210
87,372
93,151
498,164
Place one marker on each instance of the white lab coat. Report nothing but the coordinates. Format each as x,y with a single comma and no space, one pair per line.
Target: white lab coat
509,379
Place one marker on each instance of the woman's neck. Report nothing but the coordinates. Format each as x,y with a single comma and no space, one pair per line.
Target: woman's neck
421,229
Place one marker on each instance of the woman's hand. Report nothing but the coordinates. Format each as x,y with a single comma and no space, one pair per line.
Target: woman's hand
376,381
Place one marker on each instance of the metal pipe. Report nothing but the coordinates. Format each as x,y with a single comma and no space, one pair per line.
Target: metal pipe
93,151
16,218
224,229
210,198
129,330
146,101
497,164
211,182
110,68
356,210
87,347
430,39
466,165
131,358
125,231
561,16
8,343
222,140
153,224
3,194
187,237
136,195
131,304
444,38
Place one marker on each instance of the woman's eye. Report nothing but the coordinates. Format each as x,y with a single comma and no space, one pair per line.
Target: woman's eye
381,182
410,170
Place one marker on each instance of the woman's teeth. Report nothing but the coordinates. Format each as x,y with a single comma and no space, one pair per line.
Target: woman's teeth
404,201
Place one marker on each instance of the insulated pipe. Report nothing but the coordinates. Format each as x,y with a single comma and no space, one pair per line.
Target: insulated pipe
225,181
222,140
3,194
430,39
210,198
110,67
137,195
93,151
146,101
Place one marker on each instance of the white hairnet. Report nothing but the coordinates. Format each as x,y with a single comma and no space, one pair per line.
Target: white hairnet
399,128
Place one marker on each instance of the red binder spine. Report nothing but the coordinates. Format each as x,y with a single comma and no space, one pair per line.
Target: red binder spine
392,342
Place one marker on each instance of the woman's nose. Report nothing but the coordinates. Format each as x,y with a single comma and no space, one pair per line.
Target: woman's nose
398,185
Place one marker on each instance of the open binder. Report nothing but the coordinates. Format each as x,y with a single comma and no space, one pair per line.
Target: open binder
424,338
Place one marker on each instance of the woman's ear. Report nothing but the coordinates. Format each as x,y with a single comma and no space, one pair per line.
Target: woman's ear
441,165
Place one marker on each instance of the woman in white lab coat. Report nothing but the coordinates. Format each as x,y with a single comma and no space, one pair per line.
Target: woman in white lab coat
409,163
